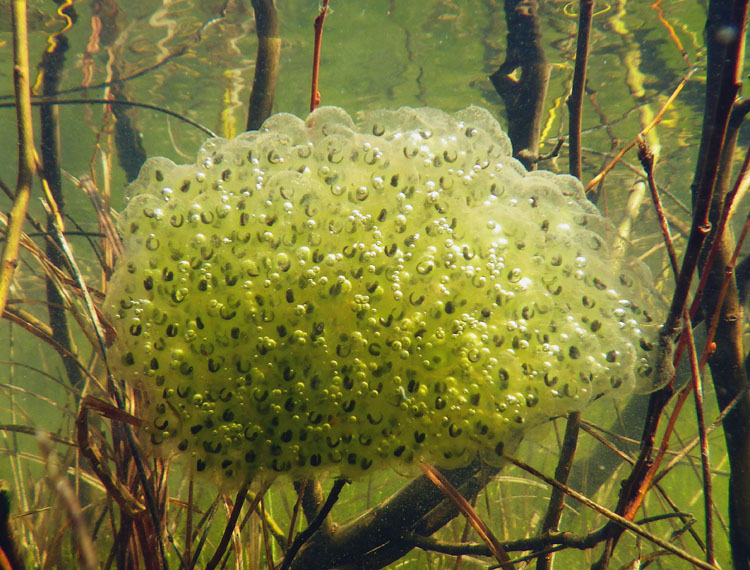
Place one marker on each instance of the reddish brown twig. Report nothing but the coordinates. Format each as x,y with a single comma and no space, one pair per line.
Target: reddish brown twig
115,489
722,89
319,20
622,522
647,160
468,511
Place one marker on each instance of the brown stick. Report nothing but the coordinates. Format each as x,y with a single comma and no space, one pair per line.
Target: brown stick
315,524
557,498
266,63
575,101
26,166
319,21
523,97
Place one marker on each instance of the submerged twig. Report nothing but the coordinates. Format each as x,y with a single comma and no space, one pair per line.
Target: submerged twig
61,486
469,513
656,120
557,498
724,62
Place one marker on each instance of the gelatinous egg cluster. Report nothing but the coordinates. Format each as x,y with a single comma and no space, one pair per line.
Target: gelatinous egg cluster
325,295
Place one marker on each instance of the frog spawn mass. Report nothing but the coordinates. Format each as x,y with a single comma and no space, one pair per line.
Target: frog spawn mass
320,295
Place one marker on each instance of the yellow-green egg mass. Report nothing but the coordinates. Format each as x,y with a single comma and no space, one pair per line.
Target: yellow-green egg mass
325,295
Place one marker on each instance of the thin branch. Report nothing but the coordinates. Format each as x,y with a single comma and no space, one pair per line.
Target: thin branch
647,160
557,498
60,484
697,384
313,500
721,305
722,89
319,21
118,102
656,120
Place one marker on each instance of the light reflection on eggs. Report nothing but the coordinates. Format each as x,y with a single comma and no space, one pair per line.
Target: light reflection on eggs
321,295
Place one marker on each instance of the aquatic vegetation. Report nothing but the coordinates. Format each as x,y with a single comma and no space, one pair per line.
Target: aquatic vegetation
325,295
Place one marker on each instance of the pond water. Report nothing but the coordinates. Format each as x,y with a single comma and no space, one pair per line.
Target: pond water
197,59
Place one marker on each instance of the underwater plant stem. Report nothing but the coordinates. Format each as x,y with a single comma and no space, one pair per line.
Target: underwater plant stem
108,229
725,314
57,480
399,545
189,522
557,497
646,158
575,100
266,63
720,297
121,495
230,527
319,21
523,97
26,165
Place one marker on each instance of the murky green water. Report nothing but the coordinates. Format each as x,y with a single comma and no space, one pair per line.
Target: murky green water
196,58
